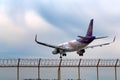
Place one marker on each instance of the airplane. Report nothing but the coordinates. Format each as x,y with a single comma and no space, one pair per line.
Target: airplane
79,45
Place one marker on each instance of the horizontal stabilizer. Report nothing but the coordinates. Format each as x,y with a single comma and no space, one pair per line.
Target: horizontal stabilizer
101,37
83,37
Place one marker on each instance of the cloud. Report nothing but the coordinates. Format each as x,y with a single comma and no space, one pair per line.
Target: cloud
55,23
33,20
77,13
38,24
9,32
18,33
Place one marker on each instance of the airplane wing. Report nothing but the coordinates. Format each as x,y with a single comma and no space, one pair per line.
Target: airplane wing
100,45
48,45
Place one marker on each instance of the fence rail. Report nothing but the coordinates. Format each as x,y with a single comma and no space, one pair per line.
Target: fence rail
58,63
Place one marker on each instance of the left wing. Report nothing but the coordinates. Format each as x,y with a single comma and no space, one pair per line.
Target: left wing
100,45
48,45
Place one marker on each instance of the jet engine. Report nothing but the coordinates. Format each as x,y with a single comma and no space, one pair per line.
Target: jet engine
80,52
55,51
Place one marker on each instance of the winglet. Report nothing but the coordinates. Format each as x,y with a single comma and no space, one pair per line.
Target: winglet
36,38
114,39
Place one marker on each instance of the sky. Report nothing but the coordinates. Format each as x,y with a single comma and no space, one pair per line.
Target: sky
57,21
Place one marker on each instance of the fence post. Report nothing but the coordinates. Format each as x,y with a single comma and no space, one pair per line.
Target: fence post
115,69
18,69
39,69
59,72
79,69
98,69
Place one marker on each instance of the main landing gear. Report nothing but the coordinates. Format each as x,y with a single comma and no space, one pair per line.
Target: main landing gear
63,54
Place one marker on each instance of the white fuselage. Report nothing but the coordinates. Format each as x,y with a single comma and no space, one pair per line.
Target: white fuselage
73,45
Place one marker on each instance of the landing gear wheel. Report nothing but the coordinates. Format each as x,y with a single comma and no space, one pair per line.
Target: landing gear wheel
81,54
64,54
60,57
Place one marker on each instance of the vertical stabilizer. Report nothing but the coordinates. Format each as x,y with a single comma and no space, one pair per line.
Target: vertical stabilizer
90,28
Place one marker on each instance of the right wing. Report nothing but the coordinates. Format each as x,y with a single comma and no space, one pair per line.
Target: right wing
100,45
48,45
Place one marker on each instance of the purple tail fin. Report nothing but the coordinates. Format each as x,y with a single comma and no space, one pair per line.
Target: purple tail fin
90,28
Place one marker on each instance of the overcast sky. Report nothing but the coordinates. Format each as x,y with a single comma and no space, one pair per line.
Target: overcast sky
57,21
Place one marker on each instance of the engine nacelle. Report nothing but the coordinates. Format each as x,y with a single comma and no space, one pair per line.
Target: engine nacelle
56,51
80,52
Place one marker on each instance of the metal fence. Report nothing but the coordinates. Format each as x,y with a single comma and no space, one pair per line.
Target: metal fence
60,63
